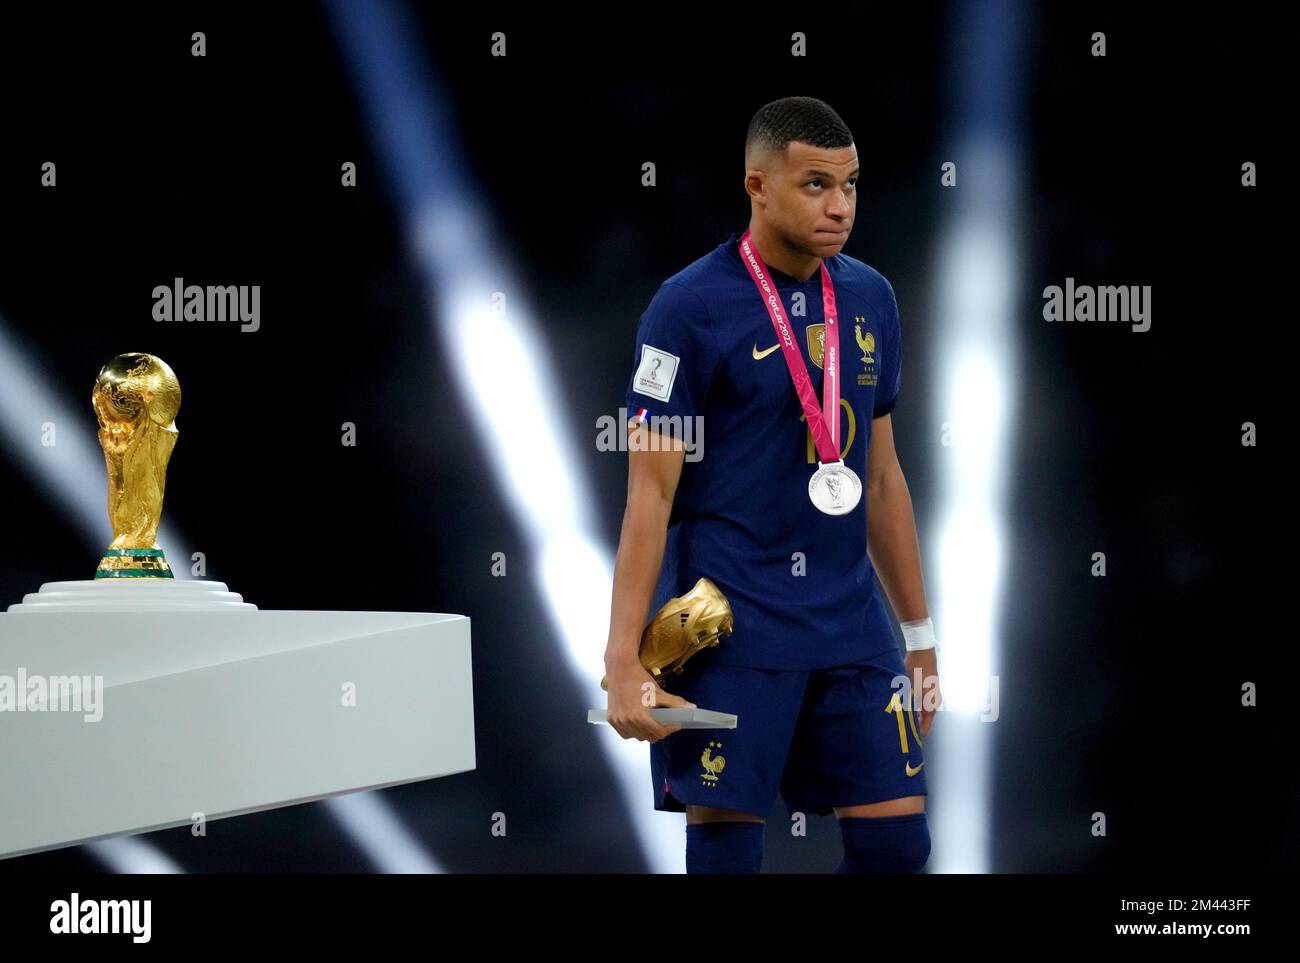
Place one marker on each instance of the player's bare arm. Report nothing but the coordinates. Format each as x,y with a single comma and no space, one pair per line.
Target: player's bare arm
654,468
895,555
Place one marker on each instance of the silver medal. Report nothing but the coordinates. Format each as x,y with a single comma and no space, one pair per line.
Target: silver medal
834,488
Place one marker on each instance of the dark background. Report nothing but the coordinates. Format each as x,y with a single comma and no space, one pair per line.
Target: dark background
1119,694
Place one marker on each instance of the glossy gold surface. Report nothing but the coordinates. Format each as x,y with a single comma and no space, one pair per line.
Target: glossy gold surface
686,624
136,398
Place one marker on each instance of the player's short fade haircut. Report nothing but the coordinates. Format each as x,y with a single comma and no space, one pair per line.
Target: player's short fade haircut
805,119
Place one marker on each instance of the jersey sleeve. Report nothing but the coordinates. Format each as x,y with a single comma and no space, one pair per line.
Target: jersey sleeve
675,360
891,359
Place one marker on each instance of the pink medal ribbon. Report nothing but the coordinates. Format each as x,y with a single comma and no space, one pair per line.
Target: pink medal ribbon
824,422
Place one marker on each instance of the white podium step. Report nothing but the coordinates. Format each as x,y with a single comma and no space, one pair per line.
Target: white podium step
130,595
210,706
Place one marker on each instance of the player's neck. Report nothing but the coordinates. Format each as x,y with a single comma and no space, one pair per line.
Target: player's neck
776,254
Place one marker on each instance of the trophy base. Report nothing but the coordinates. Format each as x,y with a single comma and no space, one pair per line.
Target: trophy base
133,595
134,563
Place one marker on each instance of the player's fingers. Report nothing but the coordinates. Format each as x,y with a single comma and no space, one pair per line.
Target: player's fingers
657,729
644,726
676,701
666,731
635,726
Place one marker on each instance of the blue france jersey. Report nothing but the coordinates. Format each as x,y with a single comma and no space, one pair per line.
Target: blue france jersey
801,587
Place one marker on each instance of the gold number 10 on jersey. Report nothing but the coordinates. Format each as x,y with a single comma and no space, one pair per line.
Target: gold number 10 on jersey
848,439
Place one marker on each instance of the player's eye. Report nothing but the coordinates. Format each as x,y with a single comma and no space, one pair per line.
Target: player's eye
851,182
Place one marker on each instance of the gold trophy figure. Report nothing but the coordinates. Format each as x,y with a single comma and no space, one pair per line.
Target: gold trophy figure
136,398
686,624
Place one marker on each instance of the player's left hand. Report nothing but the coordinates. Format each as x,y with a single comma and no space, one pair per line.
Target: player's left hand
926,697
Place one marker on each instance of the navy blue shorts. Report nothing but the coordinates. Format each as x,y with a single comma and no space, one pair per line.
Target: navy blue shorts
840,736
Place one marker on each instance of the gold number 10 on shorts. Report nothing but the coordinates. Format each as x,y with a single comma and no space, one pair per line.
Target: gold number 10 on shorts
896,707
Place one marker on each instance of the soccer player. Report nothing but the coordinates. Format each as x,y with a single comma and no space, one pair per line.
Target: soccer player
812,669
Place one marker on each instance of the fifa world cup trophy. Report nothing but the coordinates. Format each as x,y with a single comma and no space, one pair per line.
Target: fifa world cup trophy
136,398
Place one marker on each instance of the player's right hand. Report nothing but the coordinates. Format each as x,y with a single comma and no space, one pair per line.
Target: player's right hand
632,694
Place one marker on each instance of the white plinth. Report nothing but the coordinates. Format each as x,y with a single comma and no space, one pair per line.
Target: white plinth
212,706
131,595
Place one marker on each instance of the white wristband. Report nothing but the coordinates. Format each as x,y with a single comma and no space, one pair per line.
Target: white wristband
919,634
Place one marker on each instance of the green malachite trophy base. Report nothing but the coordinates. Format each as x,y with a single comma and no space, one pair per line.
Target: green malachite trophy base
134,563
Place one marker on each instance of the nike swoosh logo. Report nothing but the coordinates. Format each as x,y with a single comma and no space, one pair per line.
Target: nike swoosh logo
760,355
911,771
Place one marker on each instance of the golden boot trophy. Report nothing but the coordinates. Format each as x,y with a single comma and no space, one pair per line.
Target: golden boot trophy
686,624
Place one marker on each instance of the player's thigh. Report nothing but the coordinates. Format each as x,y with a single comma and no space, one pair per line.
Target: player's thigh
886,807
710,814
858,751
